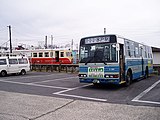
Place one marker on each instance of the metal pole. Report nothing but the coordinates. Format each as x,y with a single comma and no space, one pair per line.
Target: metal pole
104,30
52,41
10,38
45,42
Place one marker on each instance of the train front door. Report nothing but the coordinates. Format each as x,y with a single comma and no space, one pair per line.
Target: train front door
57,56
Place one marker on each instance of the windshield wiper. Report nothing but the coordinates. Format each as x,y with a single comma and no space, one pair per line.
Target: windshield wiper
98,56
89,60
105,62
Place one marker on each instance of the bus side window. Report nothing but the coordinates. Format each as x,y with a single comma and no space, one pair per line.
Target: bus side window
127,47
150,52
132,50
140,50
136,50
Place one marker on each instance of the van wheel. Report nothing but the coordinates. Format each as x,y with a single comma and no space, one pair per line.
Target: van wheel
3,73
23,72
128,79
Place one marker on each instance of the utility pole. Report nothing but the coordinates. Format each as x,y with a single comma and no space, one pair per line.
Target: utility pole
10,38
45,42
104,31
52,41
72,45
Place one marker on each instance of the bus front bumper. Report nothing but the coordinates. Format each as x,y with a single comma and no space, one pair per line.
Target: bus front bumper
99,80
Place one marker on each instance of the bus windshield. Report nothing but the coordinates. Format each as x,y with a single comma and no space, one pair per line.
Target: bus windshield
98,53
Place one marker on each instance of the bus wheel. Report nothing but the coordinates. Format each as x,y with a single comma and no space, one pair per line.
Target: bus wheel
3,73
23,72
96,84
146,73
128,79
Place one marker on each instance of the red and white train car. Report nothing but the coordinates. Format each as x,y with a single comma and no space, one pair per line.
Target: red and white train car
50,56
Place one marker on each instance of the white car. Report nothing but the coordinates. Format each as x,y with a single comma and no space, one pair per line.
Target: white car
9,65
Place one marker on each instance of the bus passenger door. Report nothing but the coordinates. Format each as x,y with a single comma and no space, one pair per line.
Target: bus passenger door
142,60
122,62
57,56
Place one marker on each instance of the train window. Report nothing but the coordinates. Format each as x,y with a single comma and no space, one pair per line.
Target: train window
51,54
34,54
46,54
68,54
62,54
40,54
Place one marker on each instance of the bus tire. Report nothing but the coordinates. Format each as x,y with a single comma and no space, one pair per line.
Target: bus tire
3,73
146,73
128,78
23,72
96,84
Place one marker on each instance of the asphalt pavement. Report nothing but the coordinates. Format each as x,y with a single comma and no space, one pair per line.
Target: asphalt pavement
17,106
60,96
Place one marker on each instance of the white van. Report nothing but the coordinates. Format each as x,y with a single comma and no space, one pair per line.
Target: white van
9,65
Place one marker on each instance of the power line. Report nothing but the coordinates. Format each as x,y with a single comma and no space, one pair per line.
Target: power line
4,43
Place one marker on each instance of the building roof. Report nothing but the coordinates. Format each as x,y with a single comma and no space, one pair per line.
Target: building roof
154,49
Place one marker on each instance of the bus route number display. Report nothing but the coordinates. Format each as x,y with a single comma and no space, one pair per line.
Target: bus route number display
97,40
96,72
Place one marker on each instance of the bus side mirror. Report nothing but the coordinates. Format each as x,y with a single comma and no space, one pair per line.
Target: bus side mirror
117,47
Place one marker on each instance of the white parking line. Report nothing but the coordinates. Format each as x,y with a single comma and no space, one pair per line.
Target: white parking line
77,96
20,77
137,98
150,102
82,97
55,79
60,92
71,89
32,84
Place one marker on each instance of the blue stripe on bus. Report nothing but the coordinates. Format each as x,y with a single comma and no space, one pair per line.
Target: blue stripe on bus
111,69
136,75
131,62
83,69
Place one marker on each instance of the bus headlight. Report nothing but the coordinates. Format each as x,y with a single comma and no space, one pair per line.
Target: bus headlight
82,75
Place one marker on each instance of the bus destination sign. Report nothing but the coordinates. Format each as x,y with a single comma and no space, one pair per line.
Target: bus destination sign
97,40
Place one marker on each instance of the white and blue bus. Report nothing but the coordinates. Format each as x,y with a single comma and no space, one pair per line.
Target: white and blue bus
112,59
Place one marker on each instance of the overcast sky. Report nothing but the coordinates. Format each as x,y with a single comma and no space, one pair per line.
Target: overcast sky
32,20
